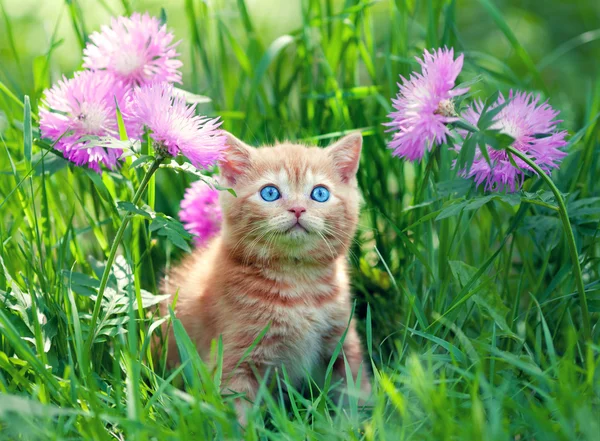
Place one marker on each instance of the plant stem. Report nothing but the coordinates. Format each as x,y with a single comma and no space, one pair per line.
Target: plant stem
541,204
113,251
564,217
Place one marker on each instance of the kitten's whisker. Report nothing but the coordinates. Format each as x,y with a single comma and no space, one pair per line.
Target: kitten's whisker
248,253
244,237
331,252
361,227
271,241
350,237
333,231
352,240
342,233
241,242
246,229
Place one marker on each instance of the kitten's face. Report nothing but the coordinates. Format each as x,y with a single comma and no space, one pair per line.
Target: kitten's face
292,201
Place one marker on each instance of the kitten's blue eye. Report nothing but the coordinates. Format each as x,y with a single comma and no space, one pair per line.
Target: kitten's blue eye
270,193
320,194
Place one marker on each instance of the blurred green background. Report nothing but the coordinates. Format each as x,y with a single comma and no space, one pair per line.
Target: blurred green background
561,36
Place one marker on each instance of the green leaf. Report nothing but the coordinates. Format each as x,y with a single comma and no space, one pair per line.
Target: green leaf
188,353
467,152
131,208
172,230
454,187
237,48
496,139
547,230
276,47
583,209
468,205
121,124
51,163
27,134
487,117
11,95
186,167
141,160
467,84
108,142
487,297
41,80
81,279
99,186
484,151
594,300
456,353
11,405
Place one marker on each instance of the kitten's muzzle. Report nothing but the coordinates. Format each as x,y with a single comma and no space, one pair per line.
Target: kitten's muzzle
297,211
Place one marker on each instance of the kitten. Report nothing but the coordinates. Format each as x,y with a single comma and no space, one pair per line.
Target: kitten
280,260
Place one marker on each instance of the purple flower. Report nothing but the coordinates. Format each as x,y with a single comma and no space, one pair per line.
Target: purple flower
534,129
174,126
80,106
136,49
424,105
200,212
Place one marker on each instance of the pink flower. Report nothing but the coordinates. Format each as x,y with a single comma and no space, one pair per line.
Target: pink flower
534,129
200,212
424,105
83,105
174,126
136,49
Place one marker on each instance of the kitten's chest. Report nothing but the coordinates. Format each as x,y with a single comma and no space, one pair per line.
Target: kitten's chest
298,323
298,336
300,313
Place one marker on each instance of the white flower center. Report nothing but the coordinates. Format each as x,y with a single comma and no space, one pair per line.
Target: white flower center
509,127
91,118
128,62
446,108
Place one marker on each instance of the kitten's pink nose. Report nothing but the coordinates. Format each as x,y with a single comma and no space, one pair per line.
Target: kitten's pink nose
297,211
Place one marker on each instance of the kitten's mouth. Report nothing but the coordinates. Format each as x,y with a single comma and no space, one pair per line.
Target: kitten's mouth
296,227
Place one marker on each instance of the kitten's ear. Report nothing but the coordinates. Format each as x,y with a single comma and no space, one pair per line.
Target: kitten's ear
346,155
237,158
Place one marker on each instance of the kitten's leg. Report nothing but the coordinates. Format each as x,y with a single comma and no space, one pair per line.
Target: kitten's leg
241,380
351,348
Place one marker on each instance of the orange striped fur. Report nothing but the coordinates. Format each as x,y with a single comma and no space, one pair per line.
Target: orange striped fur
260,272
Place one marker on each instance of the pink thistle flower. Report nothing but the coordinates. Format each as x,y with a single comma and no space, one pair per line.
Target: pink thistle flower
424,105
137,50
175,127
80,106
201,212
534,129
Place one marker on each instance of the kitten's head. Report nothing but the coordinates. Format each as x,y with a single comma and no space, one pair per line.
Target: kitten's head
292,201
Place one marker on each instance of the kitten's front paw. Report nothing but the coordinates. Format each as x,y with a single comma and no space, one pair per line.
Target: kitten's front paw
241,410
366,393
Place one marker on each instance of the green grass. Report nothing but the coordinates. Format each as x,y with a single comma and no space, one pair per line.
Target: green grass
467,302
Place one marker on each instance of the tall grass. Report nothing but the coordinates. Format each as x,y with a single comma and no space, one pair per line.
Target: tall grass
467,301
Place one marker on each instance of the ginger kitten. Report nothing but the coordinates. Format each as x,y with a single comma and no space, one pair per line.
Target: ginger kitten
280,260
